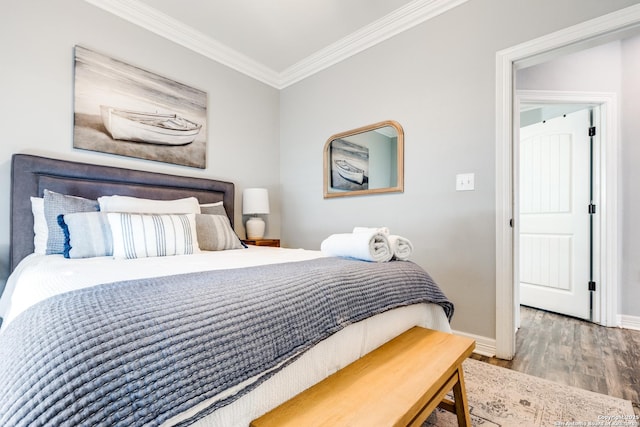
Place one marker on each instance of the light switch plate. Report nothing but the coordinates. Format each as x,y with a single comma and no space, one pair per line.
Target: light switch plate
465,182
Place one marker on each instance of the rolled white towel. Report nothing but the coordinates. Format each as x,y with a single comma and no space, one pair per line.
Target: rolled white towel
365,246
401,247
383,230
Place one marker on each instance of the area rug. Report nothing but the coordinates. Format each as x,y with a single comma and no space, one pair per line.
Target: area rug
503,397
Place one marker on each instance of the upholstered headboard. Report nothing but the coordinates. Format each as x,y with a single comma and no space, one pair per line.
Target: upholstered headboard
31,175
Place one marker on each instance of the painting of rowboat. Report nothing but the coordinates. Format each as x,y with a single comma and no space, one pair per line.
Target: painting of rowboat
125,110
152,128
349,165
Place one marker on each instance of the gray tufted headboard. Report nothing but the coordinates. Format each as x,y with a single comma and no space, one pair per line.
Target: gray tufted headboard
31,175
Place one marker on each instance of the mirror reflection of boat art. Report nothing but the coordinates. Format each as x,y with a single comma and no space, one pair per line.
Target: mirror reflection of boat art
153,128
350,168
364,161
349,172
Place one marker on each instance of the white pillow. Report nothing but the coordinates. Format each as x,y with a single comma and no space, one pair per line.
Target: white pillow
40,229
207,205
138,205
152,235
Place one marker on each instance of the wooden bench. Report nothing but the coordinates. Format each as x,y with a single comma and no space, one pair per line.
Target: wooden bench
398,384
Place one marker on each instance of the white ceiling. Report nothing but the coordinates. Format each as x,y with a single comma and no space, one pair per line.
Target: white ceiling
276,33
278,42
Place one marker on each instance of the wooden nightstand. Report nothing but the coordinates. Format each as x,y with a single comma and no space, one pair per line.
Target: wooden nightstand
263,242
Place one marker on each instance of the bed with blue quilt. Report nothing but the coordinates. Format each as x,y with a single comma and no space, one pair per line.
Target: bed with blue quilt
133,302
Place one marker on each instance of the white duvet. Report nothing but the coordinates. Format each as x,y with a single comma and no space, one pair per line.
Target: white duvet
38,277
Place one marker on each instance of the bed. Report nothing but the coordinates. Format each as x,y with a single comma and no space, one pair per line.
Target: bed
202,337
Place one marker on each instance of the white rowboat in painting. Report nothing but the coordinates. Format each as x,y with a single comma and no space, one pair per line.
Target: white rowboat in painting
349,171
153,128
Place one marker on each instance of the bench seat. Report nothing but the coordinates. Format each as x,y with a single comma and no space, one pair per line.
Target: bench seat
398,384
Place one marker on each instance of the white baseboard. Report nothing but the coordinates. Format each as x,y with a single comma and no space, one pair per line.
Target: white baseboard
629,322
484,346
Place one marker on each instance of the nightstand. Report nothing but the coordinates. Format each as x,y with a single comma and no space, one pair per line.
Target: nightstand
263,242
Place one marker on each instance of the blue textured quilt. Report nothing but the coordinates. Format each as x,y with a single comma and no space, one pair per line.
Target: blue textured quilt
140,352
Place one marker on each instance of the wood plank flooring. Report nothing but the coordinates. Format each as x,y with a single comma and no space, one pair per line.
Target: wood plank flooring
577,353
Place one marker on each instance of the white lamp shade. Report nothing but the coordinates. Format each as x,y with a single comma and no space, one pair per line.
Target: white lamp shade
255,201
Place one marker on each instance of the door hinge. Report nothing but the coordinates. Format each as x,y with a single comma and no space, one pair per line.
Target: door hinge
592,208
592,131
592,285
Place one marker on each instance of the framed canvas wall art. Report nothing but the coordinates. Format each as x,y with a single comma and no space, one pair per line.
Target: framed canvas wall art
122,109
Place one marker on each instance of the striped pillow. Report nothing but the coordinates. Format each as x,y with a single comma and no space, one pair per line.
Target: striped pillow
151,235
215,233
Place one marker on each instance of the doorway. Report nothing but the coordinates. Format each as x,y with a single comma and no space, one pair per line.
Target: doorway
605,163
557,201
610,27
613,26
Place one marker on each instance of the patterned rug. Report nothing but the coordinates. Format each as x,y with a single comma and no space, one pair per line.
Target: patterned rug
502,397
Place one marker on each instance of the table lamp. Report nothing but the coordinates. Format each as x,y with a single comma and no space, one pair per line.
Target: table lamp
255,201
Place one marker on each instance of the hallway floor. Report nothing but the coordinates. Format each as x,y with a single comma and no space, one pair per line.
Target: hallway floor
577,353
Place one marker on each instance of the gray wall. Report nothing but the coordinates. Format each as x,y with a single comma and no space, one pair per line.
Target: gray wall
438,81
612,67
36,99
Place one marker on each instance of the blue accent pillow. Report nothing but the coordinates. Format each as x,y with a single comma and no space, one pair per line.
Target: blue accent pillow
87,234
59,204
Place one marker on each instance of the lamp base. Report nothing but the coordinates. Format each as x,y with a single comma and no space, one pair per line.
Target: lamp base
255,228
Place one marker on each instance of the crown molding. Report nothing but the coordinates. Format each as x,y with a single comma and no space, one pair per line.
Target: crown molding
402,19
165,26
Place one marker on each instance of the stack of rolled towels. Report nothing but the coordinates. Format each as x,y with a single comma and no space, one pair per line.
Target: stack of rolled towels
375,244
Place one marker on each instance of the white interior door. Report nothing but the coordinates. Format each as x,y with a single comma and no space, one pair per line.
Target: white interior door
555,242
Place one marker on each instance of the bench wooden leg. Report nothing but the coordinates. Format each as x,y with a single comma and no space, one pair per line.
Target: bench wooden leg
461,404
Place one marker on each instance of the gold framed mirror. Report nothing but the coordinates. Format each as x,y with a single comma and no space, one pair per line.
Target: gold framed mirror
366,160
